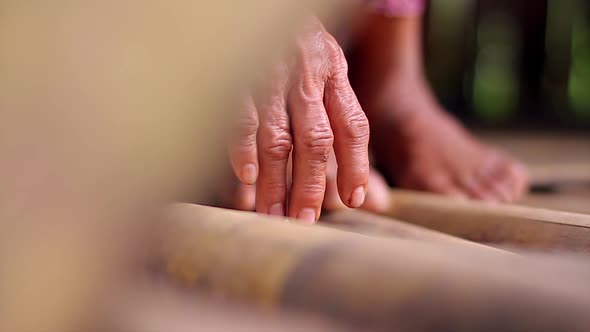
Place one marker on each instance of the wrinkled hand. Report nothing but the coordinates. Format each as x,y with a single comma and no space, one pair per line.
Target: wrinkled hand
237,195
307,107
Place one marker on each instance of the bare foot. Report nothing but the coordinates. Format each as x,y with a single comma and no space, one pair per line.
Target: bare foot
423,148
416,143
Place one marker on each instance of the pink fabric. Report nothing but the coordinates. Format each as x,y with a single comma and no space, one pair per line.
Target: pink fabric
395,8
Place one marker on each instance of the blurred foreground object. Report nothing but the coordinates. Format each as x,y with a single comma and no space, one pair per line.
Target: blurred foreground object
367,281
157,307
108,110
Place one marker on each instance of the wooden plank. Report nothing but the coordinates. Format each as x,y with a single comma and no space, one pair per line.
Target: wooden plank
368,281
577,201
554,159
372,224
494,223
542,148
561,172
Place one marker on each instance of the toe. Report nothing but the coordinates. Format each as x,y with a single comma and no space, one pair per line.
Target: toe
516,179
490,181
495,181
476,187
498,187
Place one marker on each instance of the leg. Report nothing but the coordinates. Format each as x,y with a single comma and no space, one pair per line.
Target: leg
415,141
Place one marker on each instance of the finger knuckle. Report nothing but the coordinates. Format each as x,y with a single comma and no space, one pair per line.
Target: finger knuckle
313,191
243,147
332,46
272,99
339,81
335,53
319,55
309,91
278,146
247,125
357,128
318,141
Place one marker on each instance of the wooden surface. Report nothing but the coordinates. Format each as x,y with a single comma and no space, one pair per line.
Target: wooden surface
504,224
372,224
546,219
542,148
376,272
574,201
370,282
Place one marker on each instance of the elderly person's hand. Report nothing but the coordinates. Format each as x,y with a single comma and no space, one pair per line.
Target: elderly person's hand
308,108
237,195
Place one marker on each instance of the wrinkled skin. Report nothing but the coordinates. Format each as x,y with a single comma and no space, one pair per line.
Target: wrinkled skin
243,196
415,142
306,109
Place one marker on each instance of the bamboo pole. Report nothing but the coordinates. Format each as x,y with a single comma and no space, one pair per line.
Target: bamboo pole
572,201
494,223
552,174
373,224
369,282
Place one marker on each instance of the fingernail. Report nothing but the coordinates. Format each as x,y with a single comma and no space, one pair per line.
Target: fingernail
277,210
357,198
307,215
249,173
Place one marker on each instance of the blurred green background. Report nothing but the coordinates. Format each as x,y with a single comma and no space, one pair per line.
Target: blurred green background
511,64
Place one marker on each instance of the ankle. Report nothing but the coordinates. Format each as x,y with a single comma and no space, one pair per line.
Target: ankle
403,100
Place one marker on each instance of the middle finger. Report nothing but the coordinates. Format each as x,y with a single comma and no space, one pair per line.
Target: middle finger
313,140
274,145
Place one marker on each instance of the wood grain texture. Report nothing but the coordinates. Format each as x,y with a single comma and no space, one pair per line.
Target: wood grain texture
369,282
373,224
494,223
578,201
